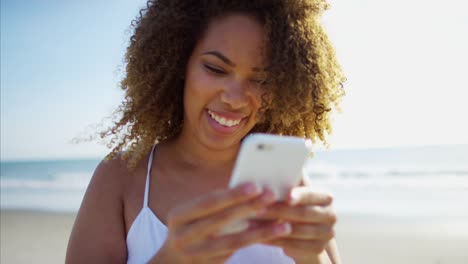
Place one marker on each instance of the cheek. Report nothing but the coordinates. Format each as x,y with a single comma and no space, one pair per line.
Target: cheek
200,86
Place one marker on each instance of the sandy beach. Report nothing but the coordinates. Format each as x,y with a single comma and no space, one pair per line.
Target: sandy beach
41,237
385,240
34,236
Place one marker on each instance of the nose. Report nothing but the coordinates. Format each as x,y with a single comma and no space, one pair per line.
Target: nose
235,95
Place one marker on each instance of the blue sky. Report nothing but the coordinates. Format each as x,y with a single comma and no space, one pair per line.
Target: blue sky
406,64
60,63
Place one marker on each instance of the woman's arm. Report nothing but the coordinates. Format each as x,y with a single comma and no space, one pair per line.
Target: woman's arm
98,235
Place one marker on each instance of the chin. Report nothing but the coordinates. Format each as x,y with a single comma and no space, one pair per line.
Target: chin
222,143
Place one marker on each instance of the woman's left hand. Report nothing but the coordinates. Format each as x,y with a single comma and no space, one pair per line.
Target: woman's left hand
312,221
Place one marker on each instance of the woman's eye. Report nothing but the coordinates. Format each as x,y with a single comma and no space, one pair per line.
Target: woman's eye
214,70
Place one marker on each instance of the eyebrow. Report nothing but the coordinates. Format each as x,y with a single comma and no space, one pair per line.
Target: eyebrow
220,56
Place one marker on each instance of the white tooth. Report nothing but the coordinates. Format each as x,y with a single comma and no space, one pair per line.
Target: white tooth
223,121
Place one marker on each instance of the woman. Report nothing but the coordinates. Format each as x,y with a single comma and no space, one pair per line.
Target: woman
200,76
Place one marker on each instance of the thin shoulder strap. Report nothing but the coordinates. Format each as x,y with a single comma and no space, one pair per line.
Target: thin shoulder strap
150,161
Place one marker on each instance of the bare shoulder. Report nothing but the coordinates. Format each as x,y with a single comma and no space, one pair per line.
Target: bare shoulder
114,172
109,181
98,235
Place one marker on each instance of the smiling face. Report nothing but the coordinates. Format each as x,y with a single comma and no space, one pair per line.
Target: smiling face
222,94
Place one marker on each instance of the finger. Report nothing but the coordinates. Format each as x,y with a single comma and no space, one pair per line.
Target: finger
214,223
257,222
297,247
305,231
230,243
311,232
300,214
214,260
196,257
212,202
306,195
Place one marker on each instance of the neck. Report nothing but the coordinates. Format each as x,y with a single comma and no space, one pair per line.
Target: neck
194,154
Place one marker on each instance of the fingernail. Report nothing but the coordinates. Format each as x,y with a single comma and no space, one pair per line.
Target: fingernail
250,189
268,197
283,229
295,194
294,197
261,212
254,224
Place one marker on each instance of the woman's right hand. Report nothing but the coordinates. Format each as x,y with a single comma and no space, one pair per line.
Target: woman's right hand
194,227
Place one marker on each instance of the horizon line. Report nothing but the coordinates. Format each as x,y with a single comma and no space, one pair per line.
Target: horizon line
319,149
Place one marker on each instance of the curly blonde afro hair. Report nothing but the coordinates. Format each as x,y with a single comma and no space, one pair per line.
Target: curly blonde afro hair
304,77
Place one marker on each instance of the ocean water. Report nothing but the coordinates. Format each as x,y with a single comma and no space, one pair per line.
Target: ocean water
401,182
50,185
419,182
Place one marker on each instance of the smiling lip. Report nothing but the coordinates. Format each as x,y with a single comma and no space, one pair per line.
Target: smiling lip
228,115
225,130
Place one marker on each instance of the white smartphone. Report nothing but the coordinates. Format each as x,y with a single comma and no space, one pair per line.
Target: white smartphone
271,161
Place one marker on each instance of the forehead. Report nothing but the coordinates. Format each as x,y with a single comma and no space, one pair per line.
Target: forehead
240,37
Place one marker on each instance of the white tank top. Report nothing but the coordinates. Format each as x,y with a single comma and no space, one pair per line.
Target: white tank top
147,234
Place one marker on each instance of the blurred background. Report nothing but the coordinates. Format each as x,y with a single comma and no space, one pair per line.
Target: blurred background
398,157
